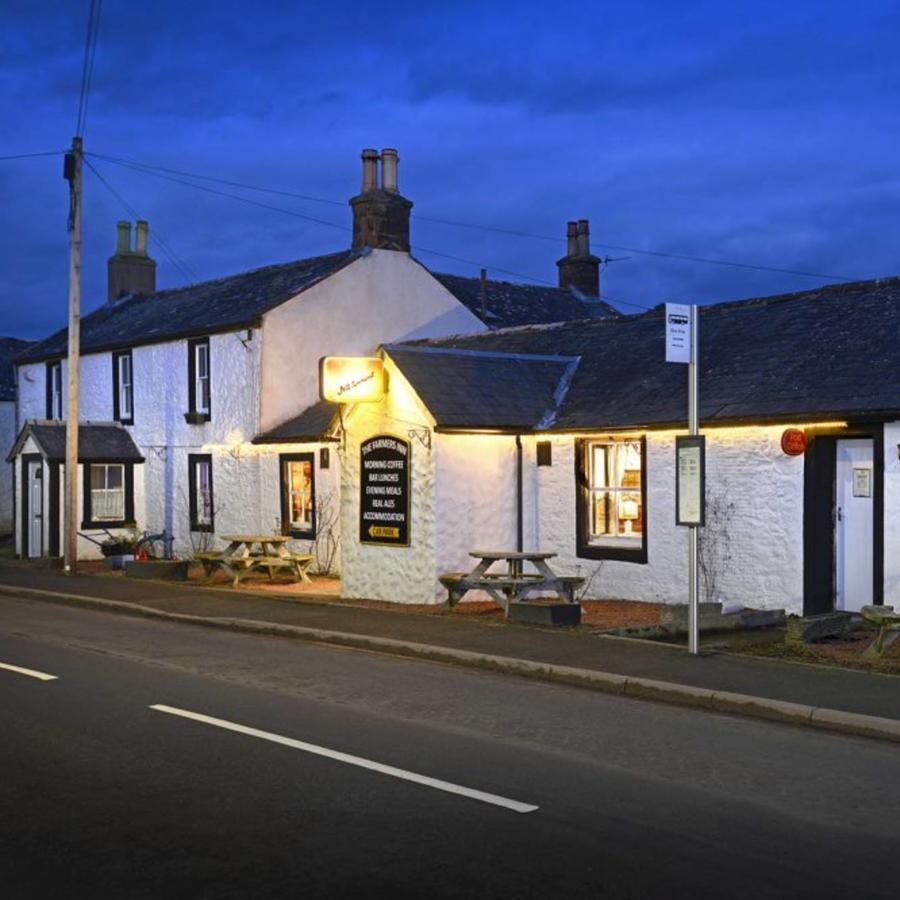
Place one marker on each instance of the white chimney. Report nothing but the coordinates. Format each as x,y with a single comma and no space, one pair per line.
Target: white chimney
389,160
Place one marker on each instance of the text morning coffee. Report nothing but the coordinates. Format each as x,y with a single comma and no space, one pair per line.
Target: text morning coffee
384,491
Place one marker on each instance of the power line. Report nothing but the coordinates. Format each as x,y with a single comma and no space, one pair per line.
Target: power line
661,254
186,271
149,170
32,155
87,69
158,172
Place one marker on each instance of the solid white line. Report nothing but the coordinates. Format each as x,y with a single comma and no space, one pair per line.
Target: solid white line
31,673
359,761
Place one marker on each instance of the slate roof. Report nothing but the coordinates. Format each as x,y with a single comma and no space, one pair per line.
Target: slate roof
311,425
824,354
97,442
508,304
485,389
220,305
10,348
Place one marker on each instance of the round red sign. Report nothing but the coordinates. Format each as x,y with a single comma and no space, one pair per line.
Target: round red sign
793,441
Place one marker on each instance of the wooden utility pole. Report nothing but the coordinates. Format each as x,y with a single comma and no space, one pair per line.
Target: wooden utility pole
70,515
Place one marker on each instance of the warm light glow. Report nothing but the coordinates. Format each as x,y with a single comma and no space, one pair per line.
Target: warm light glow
351,379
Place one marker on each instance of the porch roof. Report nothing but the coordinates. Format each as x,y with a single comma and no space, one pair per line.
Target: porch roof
97,442
311,425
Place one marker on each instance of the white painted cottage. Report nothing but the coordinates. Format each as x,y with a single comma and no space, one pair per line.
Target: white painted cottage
561,438
199,405
9,348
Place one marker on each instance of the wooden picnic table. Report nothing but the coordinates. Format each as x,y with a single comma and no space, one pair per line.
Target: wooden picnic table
514,584
240,558
887,620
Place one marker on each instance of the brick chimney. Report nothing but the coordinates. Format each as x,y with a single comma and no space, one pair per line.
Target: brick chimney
380,213
131,271
578,269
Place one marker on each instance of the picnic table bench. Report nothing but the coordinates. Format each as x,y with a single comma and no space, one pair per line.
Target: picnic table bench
512,585
887,620
240,558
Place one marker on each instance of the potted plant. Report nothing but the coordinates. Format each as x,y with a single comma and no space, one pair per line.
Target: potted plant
118,549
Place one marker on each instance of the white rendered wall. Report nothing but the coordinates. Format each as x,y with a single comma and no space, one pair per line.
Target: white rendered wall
397,574
892,514
7,438
475,501
381,297
766,527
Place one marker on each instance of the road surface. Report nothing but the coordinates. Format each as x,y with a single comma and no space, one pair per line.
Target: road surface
170,761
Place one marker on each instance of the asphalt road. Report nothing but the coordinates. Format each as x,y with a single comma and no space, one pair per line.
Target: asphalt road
103,795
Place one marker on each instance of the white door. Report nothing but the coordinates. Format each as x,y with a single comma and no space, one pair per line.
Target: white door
35,509
854,523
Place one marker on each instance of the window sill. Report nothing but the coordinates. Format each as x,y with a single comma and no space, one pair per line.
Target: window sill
105,523
622,554
203,529
125,421
196,418
301,535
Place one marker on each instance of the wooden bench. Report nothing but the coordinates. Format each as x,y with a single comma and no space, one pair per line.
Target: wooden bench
512,586
887,621
238,567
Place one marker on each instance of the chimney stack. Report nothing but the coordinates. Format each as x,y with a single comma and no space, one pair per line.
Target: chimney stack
380,213
130,271
578,269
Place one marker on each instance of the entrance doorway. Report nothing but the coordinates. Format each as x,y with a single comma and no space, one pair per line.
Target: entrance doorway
35,516
843,520
854,521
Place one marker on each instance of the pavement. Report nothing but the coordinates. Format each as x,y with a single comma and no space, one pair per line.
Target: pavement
852,702
142,758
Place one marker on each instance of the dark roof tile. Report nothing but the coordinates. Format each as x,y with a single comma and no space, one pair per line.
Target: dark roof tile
507,304
202,308
97,442
829,352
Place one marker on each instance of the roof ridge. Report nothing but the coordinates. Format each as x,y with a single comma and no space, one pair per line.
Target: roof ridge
497,354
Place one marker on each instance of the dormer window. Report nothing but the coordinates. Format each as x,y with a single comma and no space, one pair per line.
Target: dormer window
123,387
199,381
54,390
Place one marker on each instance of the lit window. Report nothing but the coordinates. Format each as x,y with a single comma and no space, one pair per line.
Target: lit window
201,492
201,386
54,390
614,486
298,488
107,493
199,381
124,387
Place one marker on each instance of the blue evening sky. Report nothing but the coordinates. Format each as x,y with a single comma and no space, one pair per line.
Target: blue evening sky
762,132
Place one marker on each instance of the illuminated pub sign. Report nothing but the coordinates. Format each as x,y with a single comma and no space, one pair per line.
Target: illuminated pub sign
351,379
384,491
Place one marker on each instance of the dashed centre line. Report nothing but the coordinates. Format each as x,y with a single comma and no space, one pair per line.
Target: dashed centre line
358,761
31,673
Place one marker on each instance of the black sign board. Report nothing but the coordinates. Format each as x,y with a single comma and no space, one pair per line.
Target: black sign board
384,491
690,479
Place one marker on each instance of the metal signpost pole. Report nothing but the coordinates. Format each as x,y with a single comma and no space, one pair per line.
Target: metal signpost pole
73,175
693,555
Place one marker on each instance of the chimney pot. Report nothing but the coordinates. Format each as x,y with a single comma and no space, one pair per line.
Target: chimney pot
571,238
123,238
584,240
389,161
141,233
380,217
578,269
370,170
130,272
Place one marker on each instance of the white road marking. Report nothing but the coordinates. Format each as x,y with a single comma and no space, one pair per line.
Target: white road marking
31,673
448,786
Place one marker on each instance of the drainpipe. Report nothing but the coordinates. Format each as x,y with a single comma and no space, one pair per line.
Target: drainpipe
519,524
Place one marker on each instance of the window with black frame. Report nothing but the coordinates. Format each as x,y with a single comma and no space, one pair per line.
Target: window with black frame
612,501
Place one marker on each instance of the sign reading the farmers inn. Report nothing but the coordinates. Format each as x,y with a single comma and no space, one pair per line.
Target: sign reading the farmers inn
384,491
